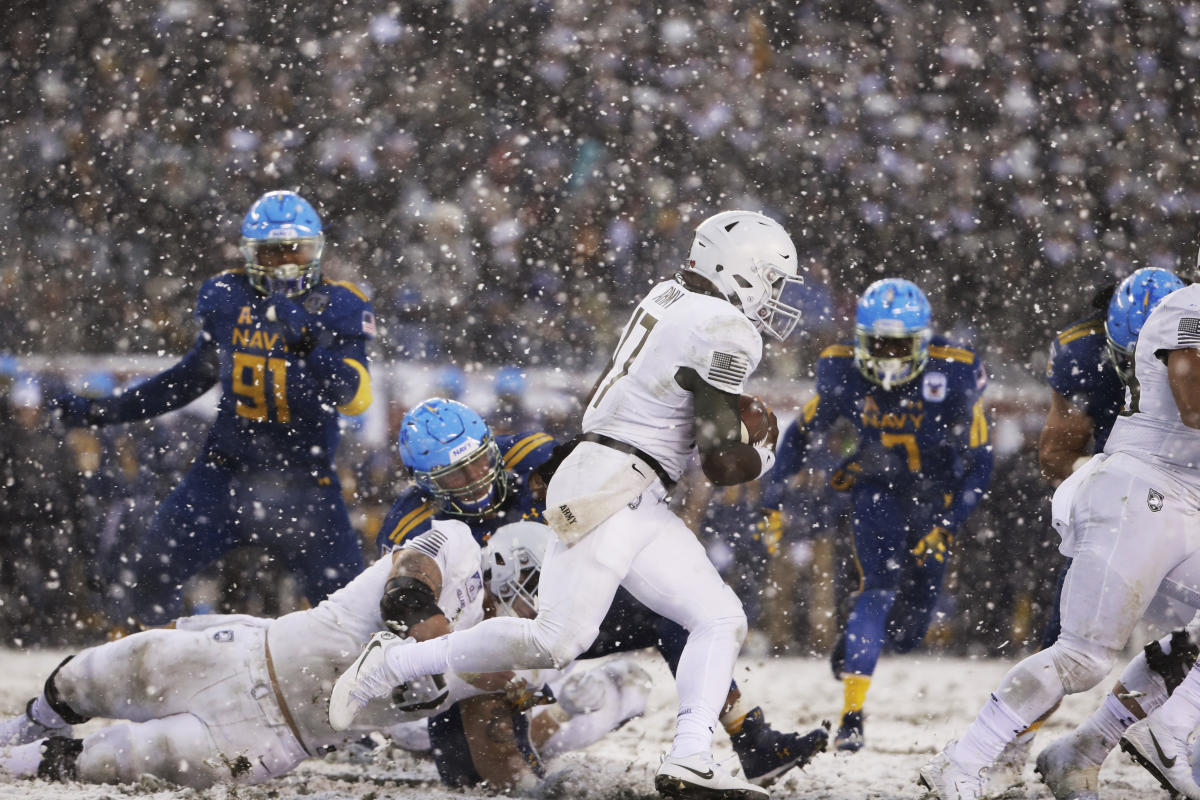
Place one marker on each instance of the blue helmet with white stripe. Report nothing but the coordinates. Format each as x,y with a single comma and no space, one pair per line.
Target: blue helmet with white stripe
449,451
282,242
1130,307
892,329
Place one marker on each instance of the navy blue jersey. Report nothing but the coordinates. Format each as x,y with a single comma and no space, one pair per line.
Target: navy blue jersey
278,409
927,437
415,510
1081,370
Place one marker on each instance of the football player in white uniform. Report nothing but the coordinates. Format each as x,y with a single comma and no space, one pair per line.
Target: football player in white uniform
673,386
241,699
1128,520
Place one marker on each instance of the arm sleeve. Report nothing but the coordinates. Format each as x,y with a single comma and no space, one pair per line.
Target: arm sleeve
173,388
978,459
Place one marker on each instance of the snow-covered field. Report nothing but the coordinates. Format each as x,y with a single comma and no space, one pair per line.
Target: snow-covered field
915,705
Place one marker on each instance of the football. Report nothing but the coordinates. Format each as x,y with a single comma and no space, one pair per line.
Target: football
759,425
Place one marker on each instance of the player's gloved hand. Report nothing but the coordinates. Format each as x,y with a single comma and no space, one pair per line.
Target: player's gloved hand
73,410
288,313
522,695
935,544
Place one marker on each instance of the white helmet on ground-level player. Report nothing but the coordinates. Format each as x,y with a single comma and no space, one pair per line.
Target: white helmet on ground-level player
750,259
512,563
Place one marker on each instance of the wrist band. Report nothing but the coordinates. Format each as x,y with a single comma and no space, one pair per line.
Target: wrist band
768,458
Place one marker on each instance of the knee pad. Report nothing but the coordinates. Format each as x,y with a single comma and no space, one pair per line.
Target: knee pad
1080,664
55,700
734,626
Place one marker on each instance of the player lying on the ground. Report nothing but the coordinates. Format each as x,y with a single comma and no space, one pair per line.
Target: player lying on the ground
241,699
1147,483
462,471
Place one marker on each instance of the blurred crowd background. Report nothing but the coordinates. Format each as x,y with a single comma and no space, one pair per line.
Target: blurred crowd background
505,179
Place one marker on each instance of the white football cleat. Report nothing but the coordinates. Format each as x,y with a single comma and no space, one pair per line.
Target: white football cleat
947,780
1008,771
1164,752
367,678
1067,773
699,776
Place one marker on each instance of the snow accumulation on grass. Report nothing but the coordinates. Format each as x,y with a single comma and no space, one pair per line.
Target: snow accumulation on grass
915,705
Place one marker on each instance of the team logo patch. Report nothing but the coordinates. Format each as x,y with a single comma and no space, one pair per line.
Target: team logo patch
315,302
223,636
933,388
1154,500
474,584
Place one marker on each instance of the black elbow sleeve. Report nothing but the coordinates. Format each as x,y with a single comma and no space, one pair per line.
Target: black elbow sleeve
406,602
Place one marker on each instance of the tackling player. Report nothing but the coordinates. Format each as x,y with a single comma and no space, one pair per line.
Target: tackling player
288,349
1147,480
233,698
673,385
922,463
462,471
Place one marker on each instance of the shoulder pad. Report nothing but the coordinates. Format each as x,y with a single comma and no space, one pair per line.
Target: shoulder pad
417,519
350,287
219,290
1090,327
522,449
946,352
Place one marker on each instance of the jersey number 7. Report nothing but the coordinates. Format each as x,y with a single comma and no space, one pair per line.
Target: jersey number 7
250,387
646,323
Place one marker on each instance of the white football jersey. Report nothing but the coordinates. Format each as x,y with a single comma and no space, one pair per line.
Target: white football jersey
637,400
311,648
1153,431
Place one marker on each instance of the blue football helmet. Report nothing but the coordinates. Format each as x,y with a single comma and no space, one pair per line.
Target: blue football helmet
1131,304
282,243
892,329
450,452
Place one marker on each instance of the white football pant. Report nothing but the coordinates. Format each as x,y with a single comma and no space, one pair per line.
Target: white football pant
652,553
200,705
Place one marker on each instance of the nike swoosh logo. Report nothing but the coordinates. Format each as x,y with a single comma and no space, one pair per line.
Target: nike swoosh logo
639,472
363,658
1167,762
705,775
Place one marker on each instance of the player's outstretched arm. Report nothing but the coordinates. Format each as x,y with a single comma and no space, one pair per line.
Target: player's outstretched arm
724,457
1064,440
170,389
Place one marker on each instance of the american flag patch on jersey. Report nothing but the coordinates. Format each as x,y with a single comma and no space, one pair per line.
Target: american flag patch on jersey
728,368
1189,331
430,543
369,324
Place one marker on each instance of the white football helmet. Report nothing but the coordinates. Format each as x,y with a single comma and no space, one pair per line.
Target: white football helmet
512,563
750,259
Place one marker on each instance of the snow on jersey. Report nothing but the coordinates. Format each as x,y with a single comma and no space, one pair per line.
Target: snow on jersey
311,648
1151,428
637,400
